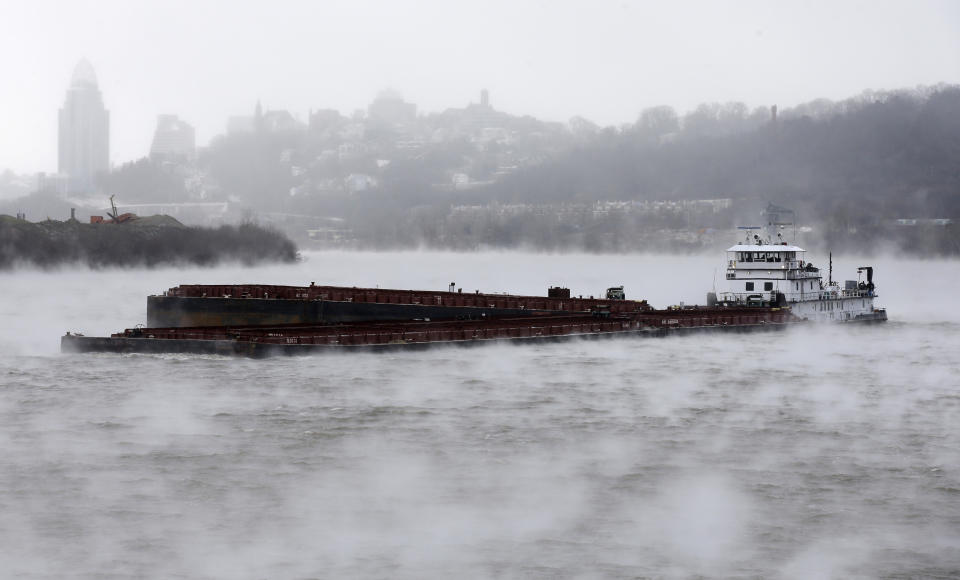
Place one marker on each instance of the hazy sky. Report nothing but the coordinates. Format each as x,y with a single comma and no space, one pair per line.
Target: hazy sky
604,60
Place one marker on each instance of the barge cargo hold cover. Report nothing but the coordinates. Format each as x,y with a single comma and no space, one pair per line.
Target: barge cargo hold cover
298,339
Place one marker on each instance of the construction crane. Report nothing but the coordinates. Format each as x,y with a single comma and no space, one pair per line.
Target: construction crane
119,218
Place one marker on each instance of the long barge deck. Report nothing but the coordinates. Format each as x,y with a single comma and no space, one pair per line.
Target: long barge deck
307,338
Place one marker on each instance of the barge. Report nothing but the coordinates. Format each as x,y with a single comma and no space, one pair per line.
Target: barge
190,305
298,339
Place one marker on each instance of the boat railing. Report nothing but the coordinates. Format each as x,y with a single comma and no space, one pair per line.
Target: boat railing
836,294
761,264
746,297
766,295
798,274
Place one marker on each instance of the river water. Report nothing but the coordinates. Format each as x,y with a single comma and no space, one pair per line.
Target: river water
824,452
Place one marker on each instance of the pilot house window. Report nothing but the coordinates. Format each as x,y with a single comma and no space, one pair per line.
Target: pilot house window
749,286
768,286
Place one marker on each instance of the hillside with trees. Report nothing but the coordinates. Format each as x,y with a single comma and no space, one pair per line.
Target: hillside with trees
881,167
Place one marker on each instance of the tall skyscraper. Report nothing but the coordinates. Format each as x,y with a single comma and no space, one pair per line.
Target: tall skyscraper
84,131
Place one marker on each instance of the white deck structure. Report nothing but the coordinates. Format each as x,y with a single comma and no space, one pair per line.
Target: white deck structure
761,273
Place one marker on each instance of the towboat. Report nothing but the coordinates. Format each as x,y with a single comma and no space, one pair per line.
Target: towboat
765,271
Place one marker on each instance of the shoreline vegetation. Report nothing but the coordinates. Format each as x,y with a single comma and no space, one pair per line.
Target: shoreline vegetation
146,242
156,241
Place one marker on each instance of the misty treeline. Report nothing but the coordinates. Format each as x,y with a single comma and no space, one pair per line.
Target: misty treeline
880,155
477,177
53,243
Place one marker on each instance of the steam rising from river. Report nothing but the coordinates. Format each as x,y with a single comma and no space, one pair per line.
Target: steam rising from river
816,453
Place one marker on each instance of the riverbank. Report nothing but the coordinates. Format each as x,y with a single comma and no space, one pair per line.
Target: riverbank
146,242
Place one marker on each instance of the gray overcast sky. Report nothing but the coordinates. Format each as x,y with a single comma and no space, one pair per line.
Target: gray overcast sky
206,60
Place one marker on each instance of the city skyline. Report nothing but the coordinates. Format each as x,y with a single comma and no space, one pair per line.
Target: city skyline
604,61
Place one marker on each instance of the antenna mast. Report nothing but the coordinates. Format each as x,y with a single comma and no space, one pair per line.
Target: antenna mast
830,276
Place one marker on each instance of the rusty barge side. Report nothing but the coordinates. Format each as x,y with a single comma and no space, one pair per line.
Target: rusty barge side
298,339
261,304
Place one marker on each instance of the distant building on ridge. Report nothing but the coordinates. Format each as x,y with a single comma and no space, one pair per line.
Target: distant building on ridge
277,121
84,136
390,108
173,140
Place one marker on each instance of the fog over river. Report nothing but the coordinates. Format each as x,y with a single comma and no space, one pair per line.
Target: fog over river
817,452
